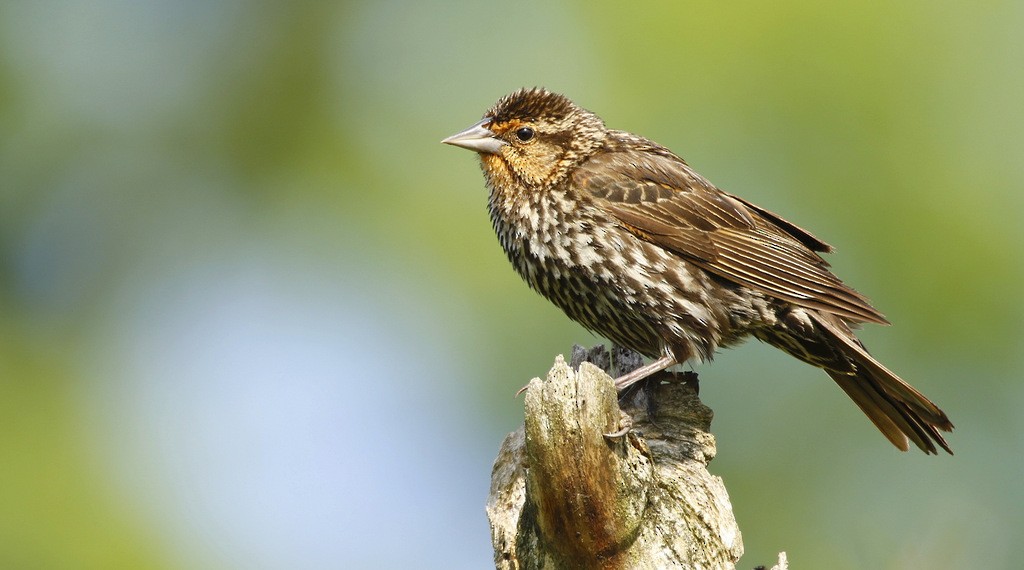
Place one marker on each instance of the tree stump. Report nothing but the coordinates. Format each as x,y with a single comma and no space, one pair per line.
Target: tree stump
585,484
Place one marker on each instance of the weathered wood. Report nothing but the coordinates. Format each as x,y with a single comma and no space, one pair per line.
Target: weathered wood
566,495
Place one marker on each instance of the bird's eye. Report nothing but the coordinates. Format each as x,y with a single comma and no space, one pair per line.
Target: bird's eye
524,134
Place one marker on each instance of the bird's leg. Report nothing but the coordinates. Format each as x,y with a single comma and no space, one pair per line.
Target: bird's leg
622,384
627,380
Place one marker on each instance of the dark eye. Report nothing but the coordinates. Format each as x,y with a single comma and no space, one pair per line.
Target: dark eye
524,134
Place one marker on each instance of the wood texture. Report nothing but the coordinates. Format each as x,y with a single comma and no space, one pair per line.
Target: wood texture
566,495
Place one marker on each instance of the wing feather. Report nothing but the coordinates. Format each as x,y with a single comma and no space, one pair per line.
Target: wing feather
658,198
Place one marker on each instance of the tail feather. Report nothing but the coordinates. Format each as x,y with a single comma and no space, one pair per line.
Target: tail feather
898,410
896,420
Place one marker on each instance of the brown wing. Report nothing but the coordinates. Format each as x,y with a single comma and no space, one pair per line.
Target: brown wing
657,197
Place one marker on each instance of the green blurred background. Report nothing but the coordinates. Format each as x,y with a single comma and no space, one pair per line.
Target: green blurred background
253,314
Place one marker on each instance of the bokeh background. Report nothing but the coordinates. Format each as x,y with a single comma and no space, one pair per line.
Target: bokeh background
253,314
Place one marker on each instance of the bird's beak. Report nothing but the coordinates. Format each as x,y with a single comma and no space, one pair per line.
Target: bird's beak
478,138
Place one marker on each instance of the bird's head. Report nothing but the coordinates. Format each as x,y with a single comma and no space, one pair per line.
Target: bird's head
533,137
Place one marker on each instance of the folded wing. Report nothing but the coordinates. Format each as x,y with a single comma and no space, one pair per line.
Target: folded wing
658,198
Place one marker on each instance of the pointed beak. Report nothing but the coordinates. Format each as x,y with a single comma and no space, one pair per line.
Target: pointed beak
477,138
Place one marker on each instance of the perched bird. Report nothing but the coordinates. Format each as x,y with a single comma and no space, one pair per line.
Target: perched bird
632,243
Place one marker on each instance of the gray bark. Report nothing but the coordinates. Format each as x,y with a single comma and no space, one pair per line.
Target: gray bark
585,484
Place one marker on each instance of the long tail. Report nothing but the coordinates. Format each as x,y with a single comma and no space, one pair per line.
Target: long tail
898,410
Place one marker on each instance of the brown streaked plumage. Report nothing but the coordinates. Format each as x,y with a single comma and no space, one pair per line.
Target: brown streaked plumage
628,240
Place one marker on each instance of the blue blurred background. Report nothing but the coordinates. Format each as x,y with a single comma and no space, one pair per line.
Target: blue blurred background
253,314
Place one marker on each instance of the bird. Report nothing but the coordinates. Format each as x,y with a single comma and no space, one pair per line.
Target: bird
631,242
